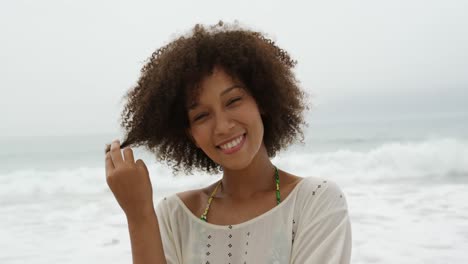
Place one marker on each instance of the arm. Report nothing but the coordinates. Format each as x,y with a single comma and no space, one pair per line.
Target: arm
131,185
324,231
146,241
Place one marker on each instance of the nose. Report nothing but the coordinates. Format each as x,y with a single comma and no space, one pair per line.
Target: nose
223,123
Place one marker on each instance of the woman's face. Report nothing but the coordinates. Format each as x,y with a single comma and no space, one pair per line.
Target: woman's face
225,121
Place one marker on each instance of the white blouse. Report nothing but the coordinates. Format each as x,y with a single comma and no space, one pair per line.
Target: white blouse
310,226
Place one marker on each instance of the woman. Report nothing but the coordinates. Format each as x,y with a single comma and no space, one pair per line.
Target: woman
224,99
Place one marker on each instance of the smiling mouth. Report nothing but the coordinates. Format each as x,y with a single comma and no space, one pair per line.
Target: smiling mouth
233,145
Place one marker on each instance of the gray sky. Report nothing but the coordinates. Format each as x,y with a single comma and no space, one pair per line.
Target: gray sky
66,64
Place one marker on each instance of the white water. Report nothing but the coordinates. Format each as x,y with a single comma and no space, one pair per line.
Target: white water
407,199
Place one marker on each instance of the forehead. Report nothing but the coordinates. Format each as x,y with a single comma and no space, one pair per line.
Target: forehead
195,100
218,83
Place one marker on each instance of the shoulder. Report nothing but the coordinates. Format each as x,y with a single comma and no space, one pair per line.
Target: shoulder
191,199
319,195
320,186
323,227
196,199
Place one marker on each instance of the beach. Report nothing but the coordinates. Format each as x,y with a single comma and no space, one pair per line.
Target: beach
406,189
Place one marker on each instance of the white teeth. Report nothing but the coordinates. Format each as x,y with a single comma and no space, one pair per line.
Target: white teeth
232,144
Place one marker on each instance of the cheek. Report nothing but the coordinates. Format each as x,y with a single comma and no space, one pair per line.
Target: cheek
259,125
196,134
255,117
200,135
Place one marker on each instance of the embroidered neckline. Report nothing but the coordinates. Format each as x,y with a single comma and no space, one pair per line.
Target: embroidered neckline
250,221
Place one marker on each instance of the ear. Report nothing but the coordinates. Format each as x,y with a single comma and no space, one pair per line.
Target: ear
189,135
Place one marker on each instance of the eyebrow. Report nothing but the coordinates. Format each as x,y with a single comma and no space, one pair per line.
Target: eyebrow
227,90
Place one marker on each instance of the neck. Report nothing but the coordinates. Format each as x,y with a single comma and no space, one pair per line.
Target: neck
256,179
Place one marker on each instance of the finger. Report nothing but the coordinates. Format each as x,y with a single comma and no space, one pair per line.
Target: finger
107,148
116,154
109,165
141,166
128,155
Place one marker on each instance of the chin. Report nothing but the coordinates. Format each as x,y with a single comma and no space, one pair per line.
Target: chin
235,165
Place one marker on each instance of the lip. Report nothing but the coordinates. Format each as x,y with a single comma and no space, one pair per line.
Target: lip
235,149
229,140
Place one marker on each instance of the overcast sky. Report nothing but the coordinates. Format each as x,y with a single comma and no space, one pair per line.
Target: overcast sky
66,64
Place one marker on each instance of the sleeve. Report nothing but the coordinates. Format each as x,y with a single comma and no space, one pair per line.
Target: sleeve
167,236
324,228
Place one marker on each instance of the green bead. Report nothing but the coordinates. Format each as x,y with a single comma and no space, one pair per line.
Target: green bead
278,197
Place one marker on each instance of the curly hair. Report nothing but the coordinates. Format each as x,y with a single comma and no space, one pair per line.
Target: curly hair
156,116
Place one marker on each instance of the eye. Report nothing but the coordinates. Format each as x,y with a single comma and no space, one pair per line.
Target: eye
234,100
199,117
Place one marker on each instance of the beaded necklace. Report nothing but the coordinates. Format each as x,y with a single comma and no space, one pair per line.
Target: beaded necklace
278,197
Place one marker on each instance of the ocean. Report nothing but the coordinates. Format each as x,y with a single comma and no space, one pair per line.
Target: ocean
405,180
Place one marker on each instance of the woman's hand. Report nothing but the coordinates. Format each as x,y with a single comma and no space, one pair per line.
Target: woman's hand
130,182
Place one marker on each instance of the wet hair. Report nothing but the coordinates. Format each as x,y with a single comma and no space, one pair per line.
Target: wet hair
156,116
